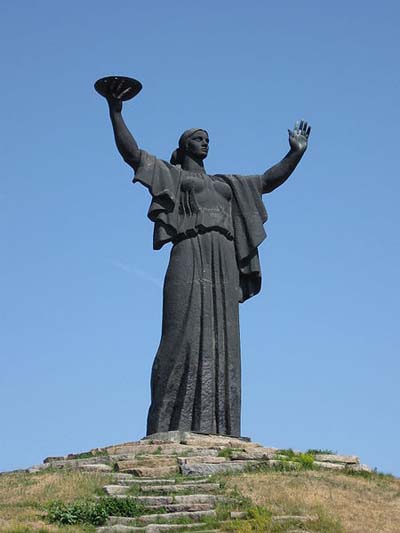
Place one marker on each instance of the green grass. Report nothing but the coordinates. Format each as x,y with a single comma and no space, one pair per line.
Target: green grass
89,455
228,452
316,451
95,512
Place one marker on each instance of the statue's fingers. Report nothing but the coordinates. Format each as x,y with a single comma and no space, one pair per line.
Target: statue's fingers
308,131
290,133
125,91
305,126
120,88
296,127
301,126
112,85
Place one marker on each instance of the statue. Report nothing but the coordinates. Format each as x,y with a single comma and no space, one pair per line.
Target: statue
215,225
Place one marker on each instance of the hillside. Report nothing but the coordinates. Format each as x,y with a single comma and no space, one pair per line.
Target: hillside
199,483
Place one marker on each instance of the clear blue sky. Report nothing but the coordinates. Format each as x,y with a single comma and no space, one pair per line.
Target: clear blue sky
80,305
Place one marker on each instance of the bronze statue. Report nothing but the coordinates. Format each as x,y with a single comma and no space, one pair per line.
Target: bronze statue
215,225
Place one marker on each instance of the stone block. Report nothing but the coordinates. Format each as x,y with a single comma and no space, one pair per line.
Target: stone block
113,490
207,469
333,458
196,515
256,454
154,466
147,471
201,459
331,466
168,489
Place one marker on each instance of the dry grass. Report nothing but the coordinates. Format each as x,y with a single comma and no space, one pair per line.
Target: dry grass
361,505
22,497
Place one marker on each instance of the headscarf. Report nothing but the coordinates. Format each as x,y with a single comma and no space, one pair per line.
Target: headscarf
178,154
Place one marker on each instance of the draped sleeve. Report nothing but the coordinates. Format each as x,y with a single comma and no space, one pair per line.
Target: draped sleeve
248,216
163,181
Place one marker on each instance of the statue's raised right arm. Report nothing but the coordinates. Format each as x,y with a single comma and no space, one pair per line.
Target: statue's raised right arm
279,173
124,140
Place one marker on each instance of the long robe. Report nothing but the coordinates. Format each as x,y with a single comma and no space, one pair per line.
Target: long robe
215,224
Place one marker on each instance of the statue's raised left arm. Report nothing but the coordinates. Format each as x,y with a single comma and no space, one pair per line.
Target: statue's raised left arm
279,173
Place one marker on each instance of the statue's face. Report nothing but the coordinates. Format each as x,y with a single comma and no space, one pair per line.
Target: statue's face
197,145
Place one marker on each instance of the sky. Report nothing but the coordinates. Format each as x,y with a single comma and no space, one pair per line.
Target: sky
81,287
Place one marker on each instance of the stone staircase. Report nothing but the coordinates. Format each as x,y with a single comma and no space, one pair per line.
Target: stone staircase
171,501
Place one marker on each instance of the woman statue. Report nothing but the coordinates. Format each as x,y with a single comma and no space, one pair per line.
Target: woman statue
215,225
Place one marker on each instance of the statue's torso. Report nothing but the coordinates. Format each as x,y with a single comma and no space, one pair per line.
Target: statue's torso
204,205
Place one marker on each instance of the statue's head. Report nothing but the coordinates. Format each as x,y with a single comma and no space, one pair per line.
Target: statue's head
194,143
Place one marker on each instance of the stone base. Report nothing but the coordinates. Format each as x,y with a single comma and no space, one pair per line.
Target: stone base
180,436
194,454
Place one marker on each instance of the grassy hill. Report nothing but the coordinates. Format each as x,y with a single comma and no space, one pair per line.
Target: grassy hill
341,501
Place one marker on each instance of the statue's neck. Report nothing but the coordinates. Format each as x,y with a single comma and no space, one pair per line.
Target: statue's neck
192,165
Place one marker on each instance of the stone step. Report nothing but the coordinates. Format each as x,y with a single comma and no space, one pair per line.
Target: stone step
170,517
165,489
95,464
207,469
149,466
160,448
82,467
132,480
187,499
153,528
126,522
198,459
196,481
181,507
61,462
131,467
114,490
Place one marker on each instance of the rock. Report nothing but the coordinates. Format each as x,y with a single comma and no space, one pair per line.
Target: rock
206,469
188,499
201,459
113,490
144,471
146,481
118,528
196,515
238,514
149,466
332,466
166,489
119,476
181,507
36,468
149,461
333,458
255,454
149,449
95,468
115,521
277,462
76,463
360,468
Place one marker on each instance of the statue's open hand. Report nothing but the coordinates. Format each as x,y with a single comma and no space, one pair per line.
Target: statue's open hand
118,90
298,138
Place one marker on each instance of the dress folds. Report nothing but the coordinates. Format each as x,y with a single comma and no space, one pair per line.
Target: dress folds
215,224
